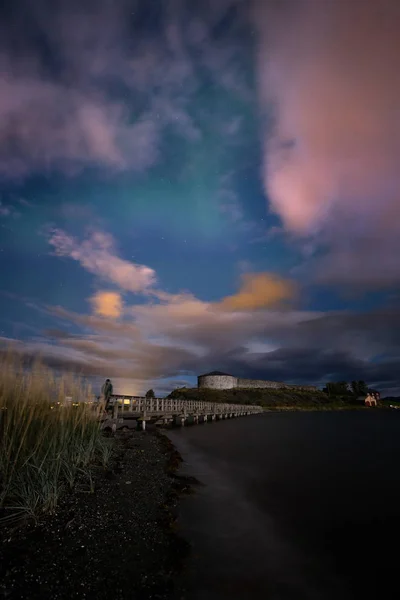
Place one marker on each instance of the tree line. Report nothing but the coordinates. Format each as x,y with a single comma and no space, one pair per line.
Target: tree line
344,388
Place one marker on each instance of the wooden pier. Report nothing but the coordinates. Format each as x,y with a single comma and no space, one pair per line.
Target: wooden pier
128,411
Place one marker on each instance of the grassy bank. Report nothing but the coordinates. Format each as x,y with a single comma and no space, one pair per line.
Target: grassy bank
46,446
270,399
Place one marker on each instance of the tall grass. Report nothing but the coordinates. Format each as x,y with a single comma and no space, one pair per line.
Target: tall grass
46,444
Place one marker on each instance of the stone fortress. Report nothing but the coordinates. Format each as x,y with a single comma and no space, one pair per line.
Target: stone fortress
223,381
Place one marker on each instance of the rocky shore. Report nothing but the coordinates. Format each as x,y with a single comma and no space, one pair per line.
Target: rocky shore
116,540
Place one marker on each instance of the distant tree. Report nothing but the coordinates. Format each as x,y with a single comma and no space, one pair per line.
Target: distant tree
337,388
344,388
150,394
179,392
359,388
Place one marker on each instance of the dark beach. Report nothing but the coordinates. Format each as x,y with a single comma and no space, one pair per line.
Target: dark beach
119,541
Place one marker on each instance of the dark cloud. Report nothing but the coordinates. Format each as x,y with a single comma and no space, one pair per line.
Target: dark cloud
174,335
28,355
188,337
95,82
305,365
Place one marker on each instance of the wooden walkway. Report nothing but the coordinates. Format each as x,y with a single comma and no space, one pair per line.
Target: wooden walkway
128,410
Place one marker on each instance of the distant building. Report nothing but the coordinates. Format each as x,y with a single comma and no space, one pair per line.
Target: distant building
371,399
216,380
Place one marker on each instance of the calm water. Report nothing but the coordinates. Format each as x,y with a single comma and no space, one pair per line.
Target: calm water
294,506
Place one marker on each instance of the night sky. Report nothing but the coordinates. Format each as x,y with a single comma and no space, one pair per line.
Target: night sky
191,185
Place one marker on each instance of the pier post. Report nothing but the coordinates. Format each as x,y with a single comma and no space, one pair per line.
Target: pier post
144,421
114,418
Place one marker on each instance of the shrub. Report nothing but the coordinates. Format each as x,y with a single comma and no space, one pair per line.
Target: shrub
46,444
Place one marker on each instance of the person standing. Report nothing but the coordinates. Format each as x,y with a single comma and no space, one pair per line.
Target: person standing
106,392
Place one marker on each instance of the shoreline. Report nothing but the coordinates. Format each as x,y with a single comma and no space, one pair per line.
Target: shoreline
119,541
324,408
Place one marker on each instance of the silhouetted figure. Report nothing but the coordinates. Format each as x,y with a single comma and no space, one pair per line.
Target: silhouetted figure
106,392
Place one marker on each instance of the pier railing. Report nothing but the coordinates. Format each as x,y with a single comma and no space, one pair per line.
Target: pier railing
138,404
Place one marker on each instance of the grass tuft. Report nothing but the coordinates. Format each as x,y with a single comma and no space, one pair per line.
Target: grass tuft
47,444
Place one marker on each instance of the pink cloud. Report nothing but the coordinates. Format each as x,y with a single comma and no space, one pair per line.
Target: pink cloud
329,73
97,255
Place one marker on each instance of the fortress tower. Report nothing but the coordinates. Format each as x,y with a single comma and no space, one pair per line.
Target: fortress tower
217,381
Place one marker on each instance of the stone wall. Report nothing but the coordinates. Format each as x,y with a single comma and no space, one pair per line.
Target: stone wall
227,382
306,388
217,382
260,383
